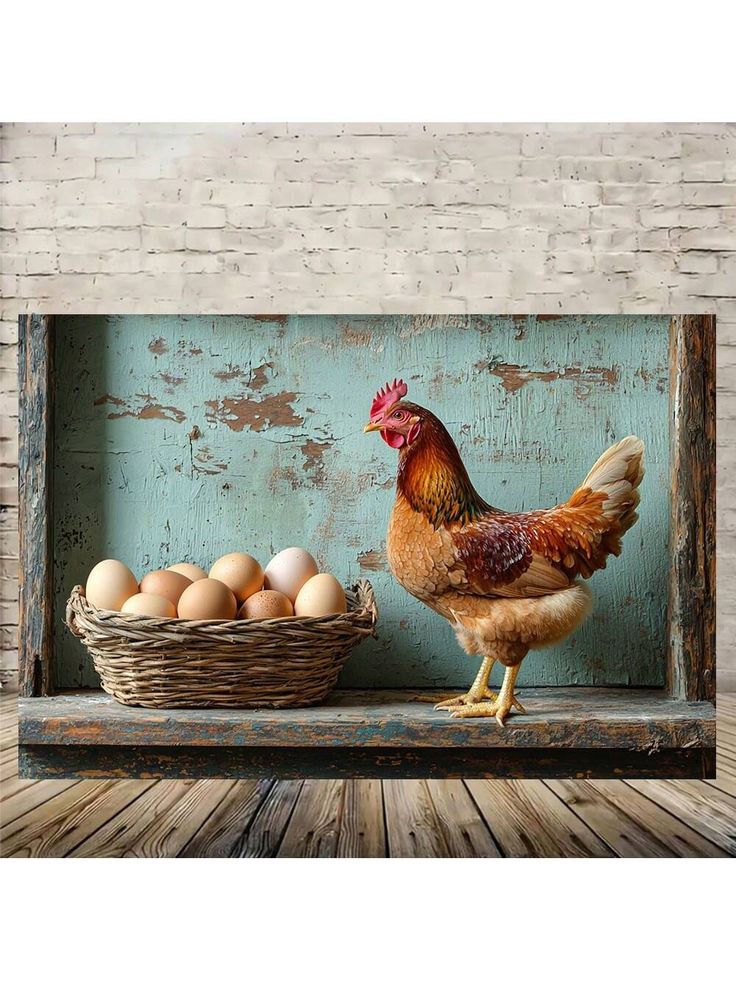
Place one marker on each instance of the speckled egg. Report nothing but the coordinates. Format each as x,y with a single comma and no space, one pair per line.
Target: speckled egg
266,605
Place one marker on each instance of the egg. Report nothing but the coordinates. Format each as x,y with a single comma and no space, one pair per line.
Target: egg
289,570
150,605
192,572
240,572
320,596
165,583
207,599
110,584
266,605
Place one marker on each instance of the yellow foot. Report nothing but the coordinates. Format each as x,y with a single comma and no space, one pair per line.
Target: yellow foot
499,707
470,698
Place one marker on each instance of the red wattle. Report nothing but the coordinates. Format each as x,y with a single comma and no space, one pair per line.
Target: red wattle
394,439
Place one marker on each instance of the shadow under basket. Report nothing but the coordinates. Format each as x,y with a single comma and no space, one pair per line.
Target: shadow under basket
160,662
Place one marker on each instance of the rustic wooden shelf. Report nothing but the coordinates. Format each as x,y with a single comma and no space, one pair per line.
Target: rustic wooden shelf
581,731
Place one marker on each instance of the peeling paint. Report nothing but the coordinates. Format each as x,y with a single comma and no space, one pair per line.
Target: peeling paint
372,561
258,378
515,376
149,410
158,346
233,371
313,462
172,381
256,414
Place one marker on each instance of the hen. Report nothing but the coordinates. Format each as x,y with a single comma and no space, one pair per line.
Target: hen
506,582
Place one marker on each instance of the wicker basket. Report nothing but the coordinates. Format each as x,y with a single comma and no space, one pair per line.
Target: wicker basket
164,663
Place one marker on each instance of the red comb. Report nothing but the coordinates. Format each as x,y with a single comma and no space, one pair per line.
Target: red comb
387,396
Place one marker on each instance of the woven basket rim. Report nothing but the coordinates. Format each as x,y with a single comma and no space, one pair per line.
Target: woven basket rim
360,597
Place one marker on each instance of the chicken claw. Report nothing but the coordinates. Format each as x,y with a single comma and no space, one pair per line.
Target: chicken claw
470,698
499,708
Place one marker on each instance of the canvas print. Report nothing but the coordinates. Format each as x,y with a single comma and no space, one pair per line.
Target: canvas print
360,546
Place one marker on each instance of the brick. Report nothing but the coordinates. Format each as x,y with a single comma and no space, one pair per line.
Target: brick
93,240
29,146
708,238
95,216
703,170
52,168
617,262
710,195
642,146
698,262
205,217
95,146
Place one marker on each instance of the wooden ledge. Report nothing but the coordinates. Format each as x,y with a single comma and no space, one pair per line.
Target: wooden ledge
638,721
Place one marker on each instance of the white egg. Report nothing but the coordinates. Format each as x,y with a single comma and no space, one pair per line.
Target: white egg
289,570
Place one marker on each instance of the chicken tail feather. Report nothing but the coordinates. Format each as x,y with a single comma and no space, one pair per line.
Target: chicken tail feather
617,475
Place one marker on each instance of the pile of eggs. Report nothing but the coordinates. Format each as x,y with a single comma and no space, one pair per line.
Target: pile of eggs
236,586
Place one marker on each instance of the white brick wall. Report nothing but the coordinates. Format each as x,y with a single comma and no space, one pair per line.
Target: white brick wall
323,217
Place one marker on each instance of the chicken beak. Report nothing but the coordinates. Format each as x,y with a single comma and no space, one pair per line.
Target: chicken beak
372,427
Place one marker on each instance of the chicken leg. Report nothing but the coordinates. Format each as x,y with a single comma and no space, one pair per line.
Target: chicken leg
478,691
499,706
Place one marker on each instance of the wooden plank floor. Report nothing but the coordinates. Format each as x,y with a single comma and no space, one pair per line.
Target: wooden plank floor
368,818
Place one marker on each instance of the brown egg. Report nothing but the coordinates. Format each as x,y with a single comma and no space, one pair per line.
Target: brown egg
266,605
150,605
207,599
320,596
192,572
110,584
165,583
240,572
289,570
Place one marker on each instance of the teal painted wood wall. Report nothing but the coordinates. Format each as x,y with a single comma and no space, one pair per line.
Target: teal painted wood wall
180,438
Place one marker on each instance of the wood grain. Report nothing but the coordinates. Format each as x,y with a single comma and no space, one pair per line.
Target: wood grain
528,819
581,718
362,828
463,828
67,819
121,833
221,834
411,821
36,387
692,604
631,824
263,837
173,827
705,808
314,826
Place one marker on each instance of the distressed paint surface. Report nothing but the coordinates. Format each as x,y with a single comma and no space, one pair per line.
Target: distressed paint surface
180,438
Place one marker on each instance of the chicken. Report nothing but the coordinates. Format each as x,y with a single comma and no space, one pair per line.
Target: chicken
507,583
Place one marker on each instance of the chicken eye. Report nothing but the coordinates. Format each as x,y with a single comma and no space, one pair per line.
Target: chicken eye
397,415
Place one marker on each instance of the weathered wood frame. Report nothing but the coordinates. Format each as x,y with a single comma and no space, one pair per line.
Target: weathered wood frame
690,645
